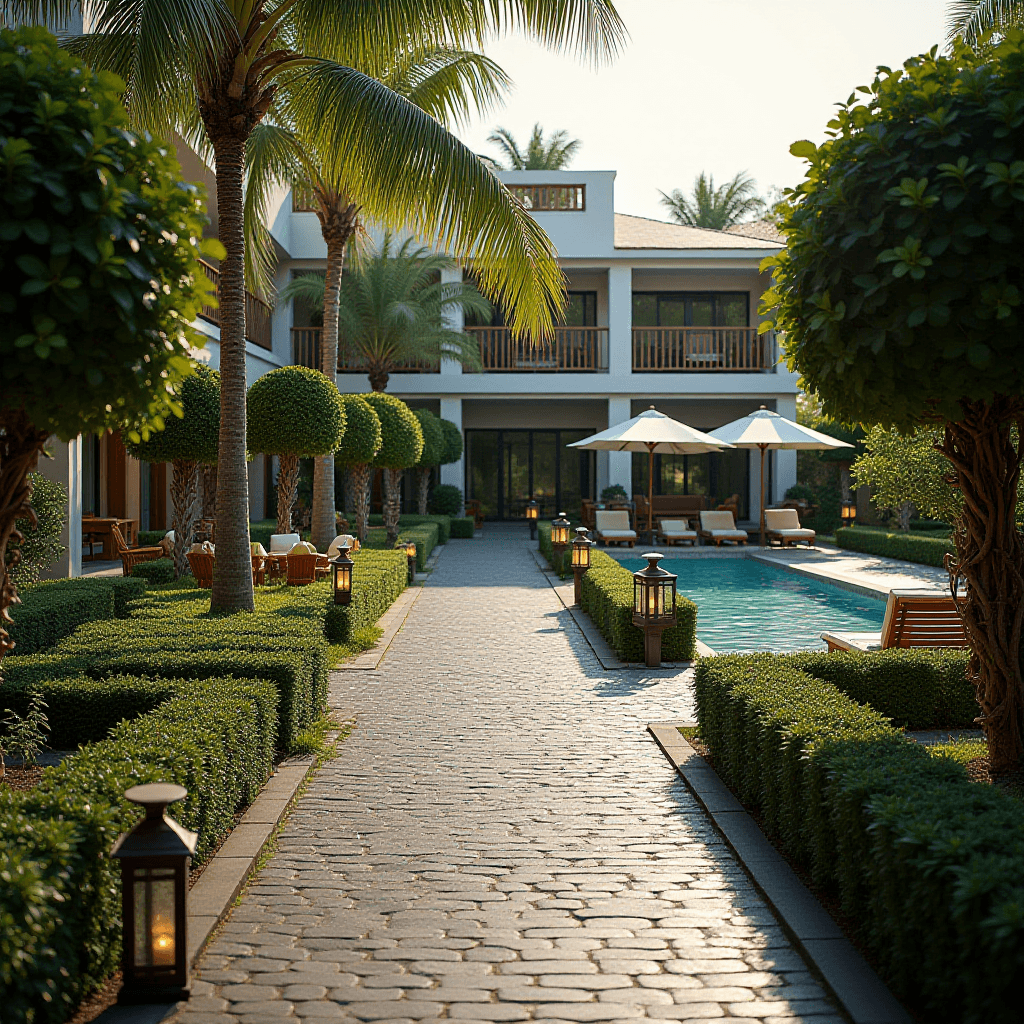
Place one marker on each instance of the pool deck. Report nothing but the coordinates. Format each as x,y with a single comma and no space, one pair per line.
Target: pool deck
869,575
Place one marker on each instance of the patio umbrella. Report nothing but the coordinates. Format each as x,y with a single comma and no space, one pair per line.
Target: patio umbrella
765,429
655,433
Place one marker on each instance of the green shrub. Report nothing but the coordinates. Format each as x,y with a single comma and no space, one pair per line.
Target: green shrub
464,528
377,579
909,547
927,863
409,520
607,597
424,536
446,499
41,546
150,538
160,570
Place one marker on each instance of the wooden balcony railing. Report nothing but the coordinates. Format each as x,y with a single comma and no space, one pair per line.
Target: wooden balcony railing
551,198
306,352
571,350
703,350
257,312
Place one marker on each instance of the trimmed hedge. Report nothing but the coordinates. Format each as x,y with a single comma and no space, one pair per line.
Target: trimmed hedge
377,579
423,536
150,538
49,612
410,520
60,904
160,570
464,528
910,547
929,864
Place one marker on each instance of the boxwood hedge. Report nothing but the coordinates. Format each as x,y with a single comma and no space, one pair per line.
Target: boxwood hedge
929,864
160,570
908,546
464,528
409,520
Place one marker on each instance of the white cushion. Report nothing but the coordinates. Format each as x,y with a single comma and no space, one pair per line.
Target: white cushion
303,548
717,523
798,534
257,549
607,522
618,534
342,540
674,525
778,520
282,543
854,641
728,534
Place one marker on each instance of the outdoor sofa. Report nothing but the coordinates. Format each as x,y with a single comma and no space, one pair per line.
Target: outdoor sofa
913,618
720,528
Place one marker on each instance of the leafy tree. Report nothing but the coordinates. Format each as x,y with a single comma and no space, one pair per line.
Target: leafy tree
393,310
187,443
41,546
91,217
294,412
448,84
359,447
435,447
899,294
972,20
453,442
553,155
446,500
214,71
401,447
709,207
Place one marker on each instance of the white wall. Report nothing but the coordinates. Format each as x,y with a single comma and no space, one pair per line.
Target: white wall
65,468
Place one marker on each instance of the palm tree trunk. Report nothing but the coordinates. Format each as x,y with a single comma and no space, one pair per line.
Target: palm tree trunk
184,494
360,479
392,503
423,482
232,582
287,489
350,493
210,492
378,377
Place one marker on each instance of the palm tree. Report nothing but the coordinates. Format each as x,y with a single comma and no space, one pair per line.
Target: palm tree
449,85
554,155
212,70
710,207
971,20
394,310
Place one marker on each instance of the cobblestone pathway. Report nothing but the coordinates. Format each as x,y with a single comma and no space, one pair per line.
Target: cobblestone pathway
500,840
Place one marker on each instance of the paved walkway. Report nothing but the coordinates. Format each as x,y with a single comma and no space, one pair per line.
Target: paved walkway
500,840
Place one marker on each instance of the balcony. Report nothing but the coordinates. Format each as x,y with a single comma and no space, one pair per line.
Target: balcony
703,350
257,312
571,350
306,352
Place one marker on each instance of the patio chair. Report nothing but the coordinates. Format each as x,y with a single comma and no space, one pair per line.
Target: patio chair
473,509
676,531
202,564
913,618
259,564
131,557
731,504
302,568
720,528
613,528
783,525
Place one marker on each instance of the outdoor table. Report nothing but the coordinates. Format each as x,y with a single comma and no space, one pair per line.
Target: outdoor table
97,528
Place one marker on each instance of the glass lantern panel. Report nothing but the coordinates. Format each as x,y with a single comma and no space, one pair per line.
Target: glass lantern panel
655,601
638,598
154,917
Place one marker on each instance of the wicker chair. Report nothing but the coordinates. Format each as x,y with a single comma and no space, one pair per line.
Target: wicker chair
301,569
131,557
202,564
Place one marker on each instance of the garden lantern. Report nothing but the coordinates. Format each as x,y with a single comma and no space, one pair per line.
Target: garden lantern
341,568
559,539
580,559
532,513
654,605
155,857
848,513
409,547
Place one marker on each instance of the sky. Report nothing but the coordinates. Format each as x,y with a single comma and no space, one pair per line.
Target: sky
707,85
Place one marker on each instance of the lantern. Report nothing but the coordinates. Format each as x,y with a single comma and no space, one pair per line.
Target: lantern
559,539
654,605
341,568
848,513
409,547
155,857
532,514
580,559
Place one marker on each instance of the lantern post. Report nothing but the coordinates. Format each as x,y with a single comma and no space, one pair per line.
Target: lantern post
532,514
654,605
409,547
580,560
559,540
341,571
848,513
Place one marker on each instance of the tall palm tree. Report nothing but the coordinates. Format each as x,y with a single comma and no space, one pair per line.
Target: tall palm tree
448,84
710,207
971,20
393,310
554,155
213,69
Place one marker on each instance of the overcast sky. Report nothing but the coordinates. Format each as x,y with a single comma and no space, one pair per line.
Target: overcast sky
715,85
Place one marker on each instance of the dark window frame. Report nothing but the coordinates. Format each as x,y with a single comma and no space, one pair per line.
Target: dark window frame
688,297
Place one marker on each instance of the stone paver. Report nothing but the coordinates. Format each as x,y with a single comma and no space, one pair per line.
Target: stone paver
500,840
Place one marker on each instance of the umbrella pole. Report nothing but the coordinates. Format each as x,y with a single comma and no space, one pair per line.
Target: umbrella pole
762,447
650,493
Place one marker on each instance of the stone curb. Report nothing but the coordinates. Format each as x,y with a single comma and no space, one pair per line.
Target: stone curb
391,622
851,980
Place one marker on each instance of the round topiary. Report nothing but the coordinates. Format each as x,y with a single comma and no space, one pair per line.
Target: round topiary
294,411
401,434
435,442
453,442
362,438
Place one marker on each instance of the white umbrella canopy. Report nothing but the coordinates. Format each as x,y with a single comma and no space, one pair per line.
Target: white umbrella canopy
766,430
655,433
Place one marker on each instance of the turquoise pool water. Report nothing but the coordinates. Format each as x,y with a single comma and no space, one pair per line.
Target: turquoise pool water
743,605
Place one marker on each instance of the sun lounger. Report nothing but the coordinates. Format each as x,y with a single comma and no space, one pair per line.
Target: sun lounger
783,525
676,531
613,528
913,618
720,528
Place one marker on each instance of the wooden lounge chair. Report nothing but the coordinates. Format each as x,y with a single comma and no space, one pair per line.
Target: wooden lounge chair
613,528
783,525
302,568
676,531
131,557
720,528
202,564
913,618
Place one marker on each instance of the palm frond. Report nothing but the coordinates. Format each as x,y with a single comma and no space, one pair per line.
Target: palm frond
972,20
450,85
710,207
505,141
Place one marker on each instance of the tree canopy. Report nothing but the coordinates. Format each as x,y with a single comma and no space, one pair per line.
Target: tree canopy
554,154
294,411
709,207
192,435
362,438
401,435
435,442
453,442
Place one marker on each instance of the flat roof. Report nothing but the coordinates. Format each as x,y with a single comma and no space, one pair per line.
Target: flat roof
644,233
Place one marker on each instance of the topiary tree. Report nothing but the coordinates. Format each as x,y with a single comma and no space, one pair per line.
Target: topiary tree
99,241
293,413
435,448
186,442
358,447
453,442
900,295
41,546
401,447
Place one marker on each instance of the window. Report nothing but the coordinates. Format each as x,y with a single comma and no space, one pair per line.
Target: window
580,311
551,198
691,309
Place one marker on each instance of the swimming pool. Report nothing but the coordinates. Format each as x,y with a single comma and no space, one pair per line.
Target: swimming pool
745,605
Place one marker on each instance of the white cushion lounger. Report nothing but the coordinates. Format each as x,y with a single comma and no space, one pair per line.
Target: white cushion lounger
913,618
783,525
282,543
720,527
613,528
676,531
